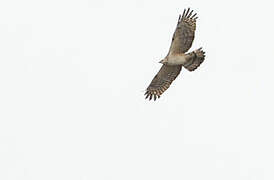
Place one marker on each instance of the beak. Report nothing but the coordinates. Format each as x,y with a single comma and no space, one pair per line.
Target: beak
162,61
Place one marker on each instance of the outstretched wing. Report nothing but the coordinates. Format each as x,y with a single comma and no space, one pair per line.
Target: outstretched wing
184,34
162,81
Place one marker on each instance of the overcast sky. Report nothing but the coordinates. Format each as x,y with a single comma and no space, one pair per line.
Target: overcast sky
73,75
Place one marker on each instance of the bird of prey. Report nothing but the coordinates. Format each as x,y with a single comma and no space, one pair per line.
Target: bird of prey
177,57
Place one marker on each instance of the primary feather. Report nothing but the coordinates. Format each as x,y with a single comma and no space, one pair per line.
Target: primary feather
184,34
162,80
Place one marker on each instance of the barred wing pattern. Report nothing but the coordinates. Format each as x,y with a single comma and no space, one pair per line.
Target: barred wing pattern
161,82
184,34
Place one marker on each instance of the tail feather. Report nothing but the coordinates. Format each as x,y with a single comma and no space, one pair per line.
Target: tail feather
194,59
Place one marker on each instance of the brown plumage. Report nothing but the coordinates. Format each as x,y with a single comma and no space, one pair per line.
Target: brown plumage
184,34
176,58
162,81
195,58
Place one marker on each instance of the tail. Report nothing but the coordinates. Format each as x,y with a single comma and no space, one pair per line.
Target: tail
194,59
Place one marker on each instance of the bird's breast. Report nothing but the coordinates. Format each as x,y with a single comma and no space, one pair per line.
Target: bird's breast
176,59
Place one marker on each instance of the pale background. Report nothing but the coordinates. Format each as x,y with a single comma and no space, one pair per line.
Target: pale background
73,75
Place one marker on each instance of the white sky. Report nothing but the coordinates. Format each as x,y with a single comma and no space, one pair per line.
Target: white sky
73,75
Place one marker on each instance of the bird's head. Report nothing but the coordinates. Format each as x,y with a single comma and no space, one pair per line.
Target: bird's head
163,61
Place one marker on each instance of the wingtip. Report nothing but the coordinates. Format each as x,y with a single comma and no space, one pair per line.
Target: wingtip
188,14
151,96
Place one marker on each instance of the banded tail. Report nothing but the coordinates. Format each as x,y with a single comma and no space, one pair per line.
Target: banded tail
194,59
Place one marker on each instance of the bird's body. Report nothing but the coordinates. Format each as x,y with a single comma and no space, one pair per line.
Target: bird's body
177,57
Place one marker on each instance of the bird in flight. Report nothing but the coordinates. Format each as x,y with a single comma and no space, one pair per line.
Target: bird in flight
177,57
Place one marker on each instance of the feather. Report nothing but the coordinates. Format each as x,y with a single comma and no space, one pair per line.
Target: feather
184,34
162,80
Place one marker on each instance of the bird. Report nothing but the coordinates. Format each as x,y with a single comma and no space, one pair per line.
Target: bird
177,56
